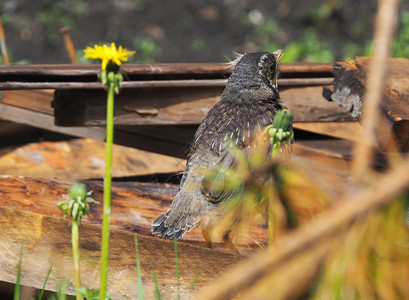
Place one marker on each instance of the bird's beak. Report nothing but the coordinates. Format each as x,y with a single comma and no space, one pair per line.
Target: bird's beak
278,54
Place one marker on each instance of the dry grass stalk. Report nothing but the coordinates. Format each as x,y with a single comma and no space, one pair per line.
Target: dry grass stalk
260,190
371,116
325,228
372,261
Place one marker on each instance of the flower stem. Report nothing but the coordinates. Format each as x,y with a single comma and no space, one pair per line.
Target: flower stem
17,287
271,222
275,150
107,193
177,266
76,255
139,283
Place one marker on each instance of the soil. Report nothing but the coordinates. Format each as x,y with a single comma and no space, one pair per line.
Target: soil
180,30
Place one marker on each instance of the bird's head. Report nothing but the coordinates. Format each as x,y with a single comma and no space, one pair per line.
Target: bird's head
255,75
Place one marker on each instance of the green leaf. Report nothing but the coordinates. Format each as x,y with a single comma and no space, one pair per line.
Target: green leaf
138,271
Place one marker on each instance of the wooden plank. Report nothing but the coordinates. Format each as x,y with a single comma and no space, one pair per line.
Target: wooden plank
47,238
134,206
328,162
135,107
308,105
167,140
178,106
173,140
22,85
159,68
45,121
91,70
84,159
343,130
36,100
149,75
47,241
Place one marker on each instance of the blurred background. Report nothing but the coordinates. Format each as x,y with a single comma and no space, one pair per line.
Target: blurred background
197,30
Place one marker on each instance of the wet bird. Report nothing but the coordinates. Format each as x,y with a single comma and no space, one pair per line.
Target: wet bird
247,105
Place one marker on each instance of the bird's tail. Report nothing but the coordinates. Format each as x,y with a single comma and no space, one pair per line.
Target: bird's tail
168,231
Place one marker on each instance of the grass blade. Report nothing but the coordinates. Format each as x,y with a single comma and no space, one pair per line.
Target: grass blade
177,265
138,271
17,288
62,291
155,280
40,295
192,287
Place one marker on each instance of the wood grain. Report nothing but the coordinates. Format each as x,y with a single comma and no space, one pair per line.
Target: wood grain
84,159
171,106
47,241
160,68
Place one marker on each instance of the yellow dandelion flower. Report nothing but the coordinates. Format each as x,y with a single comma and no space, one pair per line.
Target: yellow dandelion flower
108,54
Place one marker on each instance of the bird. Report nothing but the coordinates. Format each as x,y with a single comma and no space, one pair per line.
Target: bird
247,105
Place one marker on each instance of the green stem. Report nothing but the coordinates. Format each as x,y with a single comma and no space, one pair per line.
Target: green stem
271,224
275,150
177,265
76,256
272,214
107,193
40,295
17,287
138,272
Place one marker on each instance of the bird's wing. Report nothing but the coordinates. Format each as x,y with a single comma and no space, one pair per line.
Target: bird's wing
228,121
237,124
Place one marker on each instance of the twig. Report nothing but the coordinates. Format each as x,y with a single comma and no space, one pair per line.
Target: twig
69,45
371,117
3,45
325,228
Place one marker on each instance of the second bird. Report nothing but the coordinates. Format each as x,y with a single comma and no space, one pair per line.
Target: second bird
248,104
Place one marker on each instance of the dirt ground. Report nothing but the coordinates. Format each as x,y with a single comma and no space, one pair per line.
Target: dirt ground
183,30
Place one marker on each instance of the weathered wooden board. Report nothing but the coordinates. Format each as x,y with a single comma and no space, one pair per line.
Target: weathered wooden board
45,121
35,100
168,140
344,130
150,83
161,94
349,92
180,108
84,159
46,241
170,106
328,161
144,106
306,102
135,205
32,203
308,105
83,72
